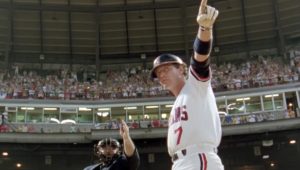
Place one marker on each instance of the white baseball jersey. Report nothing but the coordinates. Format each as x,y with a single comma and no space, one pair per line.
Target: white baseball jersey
194,118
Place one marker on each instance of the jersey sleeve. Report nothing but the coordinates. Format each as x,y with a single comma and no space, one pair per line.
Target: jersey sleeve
134,160
200,70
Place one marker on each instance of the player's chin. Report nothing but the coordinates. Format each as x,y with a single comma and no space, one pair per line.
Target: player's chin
164,82
164,86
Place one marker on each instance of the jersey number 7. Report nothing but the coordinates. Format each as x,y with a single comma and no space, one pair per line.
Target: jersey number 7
179,131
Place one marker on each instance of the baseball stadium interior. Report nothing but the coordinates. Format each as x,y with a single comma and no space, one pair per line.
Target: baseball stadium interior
72,69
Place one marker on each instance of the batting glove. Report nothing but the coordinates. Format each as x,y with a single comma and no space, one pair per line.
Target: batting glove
207,17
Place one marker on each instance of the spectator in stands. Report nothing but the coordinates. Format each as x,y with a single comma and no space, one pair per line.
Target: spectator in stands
3,122
110,155
2,119
291,113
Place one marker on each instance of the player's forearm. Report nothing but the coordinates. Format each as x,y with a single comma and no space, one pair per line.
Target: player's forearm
129,146
206,36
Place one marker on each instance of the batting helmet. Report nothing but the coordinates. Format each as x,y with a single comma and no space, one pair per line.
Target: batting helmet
165,59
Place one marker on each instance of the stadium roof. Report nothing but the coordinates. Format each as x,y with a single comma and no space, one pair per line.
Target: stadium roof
93,31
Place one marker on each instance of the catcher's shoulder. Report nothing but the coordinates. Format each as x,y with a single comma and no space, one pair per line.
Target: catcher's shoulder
91,167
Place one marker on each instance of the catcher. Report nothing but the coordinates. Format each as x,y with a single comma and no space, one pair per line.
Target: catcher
110,155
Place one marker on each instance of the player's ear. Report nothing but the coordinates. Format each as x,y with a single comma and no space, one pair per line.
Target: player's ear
182,69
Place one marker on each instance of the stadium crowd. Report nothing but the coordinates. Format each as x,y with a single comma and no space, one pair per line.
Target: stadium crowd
18,83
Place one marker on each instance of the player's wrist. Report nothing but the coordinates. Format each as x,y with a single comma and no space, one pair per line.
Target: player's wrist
204,28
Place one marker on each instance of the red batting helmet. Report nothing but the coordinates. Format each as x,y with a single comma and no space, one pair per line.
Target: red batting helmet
165,59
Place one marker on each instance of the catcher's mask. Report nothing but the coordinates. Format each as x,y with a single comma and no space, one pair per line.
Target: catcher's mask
164,59
108,150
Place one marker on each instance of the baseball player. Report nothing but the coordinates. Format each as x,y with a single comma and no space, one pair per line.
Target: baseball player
194,125
110,155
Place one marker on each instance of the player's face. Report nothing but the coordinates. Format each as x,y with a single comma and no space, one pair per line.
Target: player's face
168,75
108,151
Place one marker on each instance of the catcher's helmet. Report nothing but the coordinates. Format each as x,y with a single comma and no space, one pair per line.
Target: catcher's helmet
107,142
165,59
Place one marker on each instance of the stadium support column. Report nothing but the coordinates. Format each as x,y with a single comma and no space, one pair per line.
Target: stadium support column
42,56
216,49
298,104
9,55
184,29
155,30
280,38
70,36
127,29
98,17
245,28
